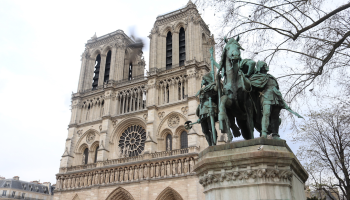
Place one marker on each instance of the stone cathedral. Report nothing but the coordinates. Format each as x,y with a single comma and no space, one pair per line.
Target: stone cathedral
126,137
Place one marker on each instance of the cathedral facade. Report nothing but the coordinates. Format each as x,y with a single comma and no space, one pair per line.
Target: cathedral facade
126,137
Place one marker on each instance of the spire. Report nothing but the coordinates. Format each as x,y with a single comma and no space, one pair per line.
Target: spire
94,36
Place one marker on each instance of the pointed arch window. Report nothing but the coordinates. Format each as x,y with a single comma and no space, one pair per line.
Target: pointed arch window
184,140
95,160
182,47
130,71
96,72
168,143
169,50
86,156
108,66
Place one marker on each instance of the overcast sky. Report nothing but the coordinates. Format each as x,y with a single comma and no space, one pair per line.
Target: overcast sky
41,43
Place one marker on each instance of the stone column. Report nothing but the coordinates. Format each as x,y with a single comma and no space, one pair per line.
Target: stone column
101,76
83,68
75,110
120,62
252,169
127,102
117,103
124,101
113,67
175,52
90,67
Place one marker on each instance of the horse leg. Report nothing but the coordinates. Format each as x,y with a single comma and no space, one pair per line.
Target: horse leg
233,126
223,120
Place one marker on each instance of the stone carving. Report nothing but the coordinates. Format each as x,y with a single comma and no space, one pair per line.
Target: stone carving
163,169
114,123
80,132
173,121
161,115
132,141
83,160
100,127
184,110
145,116
272,175
90,137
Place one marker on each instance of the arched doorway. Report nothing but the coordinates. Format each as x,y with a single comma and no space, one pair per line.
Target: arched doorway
169,194
120,194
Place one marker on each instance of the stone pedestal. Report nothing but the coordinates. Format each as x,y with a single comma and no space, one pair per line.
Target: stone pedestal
258,169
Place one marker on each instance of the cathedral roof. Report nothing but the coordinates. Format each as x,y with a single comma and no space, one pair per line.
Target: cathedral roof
94,38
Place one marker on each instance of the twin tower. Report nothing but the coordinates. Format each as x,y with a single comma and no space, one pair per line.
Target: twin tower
126,137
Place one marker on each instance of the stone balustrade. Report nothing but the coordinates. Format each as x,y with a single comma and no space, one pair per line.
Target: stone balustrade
139,158
166,164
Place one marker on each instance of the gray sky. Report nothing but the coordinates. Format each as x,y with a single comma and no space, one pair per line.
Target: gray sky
41,43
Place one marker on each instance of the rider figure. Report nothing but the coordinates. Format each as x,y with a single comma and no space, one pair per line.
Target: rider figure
203,110
271,100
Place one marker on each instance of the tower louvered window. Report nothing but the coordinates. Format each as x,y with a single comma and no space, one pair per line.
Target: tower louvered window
169,50
96,72
182,48
184,141
108,66
130,71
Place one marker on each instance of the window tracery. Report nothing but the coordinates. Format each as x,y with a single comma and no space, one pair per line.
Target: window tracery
96,72
132,141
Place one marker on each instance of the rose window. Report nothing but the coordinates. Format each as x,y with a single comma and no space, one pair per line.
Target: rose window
132,141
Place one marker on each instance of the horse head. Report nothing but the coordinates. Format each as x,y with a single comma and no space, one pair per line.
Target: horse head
232,49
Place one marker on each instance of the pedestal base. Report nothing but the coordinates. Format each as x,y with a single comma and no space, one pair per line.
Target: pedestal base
258,169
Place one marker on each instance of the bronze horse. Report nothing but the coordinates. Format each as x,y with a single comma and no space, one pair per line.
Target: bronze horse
235,102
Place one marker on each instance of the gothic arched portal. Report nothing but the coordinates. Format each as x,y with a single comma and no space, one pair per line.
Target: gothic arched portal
120,194
169,194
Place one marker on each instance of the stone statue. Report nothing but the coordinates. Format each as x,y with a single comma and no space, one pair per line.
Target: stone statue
168,146
152,171
191,165
73,181
107,177
186,166
131,175
136,173
145,174
89,179
121,175
85,180
141,173
126,174
112,176
157,170
168,172
162,170
116,175
179,167
83,160
102,177
268,97
69,183
174,168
